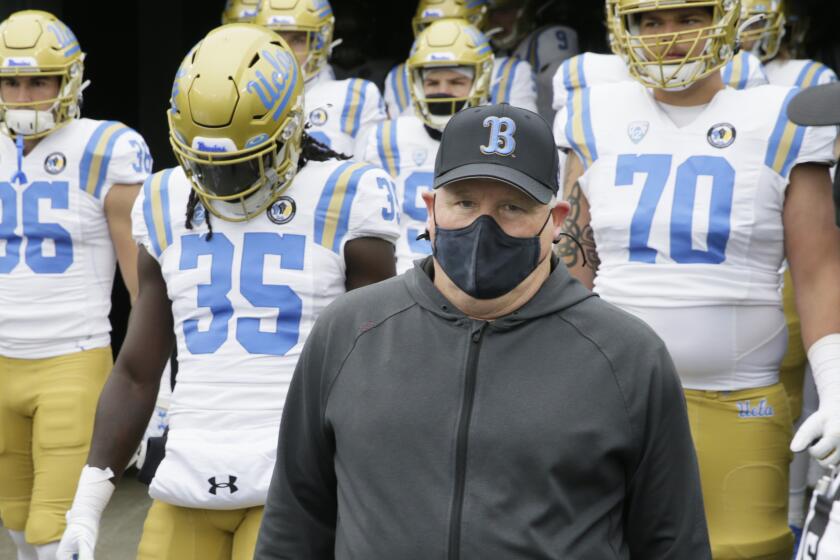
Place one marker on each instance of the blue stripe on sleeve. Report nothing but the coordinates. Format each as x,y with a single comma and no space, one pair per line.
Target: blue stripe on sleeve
324,201
587,127
380,147
395,89
106,161
148,215
87,156
344,217
164,202
395,149
348,103
804,73
357,119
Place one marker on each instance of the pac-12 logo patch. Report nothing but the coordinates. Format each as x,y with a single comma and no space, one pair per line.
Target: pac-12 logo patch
55,163
282,211
318,117
637,130
501,140
721,135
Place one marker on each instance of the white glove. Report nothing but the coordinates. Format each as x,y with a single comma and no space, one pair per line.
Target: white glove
823,427
92,495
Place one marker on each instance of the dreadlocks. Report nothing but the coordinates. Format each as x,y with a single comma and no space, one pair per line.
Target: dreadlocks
311,150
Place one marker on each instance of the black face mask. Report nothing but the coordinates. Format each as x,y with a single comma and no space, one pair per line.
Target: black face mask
444,108
484,261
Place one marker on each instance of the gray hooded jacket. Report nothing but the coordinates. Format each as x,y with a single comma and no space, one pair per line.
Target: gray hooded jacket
414,432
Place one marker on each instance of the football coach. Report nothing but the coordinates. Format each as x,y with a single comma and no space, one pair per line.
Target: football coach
485,405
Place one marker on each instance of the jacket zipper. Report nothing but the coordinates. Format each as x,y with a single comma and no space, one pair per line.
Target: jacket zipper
461,448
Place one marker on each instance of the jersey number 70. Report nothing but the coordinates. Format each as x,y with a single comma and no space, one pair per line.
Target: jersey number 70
658,169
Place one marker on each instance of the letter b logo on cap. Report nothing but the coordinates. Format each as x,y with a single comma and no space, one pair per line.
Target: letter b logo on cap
501,141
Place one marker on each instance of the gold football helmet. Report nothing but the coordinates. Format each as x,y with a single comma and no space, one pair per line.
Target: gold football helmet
474,11
522,25
609,21
35,43
647,55
236,119
313,17
448,44
240,11
765,27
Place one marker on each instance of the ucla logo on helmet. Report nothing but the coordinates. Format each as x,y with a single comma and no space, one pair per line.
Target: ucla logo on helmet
282,211
256,140
55,163
721,135
501,141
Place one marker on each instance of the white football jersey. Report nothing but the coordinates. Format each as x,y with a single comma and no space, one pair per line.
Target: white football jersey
545,49
691,218
799,73
342,112
744,71
407,152
57,261
513,82
703,203
243,302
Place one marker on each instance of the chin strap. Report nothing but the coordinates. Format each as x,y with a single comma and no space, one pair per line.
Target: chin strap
19,176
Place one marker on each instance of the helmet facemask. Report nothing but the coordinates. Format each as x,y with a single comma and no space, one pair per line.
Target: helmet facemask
436,109
657,60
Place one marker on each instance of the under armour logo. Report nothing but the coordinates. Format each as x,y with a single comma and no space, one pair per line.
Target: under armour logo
229,484
501,141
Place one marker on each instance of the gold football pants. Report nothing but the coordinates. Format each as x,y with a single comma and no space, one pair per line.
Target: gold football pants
47,408
179,533
792,372
742,440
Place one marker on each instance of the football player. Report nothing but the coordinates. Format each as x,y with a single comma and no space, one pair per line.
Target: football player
766,40
406,146
67,185
743,70
341,112
240,11
687,197
512,30
242,245
512,79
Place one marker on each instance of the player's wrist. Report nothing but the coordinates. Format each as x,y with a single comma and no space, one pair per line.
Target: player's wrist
92,495
824,358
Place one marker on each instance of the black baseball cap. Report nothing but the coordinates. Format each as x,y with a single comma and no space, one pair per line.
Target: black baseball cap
816,106
501,142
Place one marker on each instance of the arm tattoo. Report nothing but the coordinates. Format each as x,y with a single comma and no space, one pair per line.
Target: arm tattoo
567,249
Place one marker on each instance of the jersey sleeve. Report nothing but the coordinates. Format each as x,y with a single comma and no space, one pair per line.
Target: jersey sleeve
114,154
151,224
744,71
358,200
573,129
397,94
791,144
373,113
815,73
513,82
